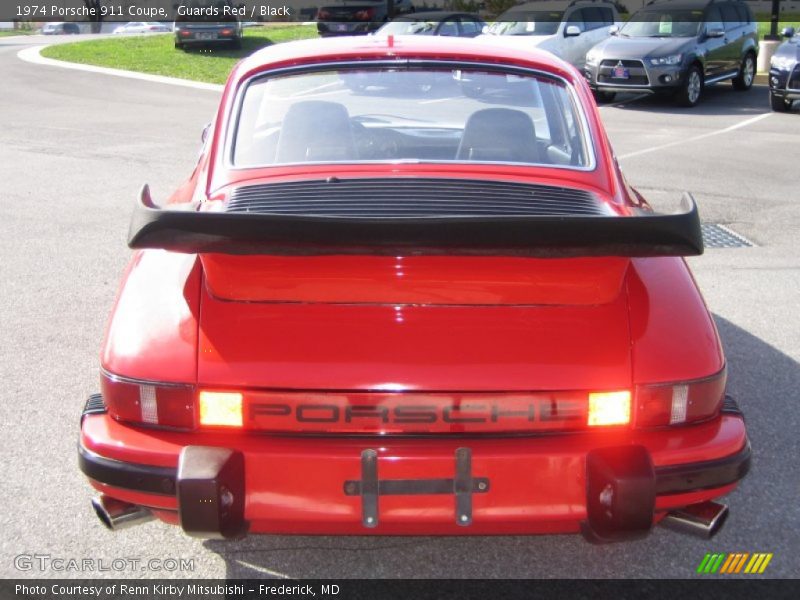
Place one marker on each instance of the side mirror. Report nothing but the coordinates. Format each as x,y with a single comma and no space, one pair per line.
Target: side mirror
204,134
715,33
572,31
613,30
787,32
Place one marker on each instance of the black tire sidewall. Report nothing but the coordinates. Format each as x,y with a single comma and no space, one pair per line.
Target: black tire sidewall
738,81
683,93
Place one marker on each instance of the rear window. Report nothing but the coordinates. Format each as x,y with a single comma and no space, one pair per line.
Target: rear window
419,115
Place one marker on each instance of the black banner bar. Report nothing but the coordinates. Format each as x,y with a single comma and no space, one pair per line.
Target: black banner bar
401,589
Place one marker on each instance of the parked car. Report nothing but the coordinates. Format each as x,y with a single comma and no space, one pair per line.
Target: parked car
142,27
367,316
454,24
61,29
784,72
677,47
358,17
219,29
567,30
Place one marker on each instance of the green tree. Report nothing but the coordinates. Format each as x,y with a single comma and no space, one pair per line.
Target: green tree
498,7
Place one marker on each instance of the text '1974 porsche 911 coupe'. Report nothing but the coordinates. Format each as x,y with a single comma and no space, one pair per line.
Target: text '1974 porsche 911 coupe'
381,304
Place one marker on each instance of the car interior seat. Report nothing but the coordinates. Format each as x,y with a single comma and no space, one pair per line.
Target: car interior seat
313,131
499,134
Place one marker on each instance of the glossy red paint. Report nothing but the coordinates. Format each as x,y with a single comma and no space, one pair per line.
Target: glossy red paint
152,334
537,484
429,280
408,347
408,327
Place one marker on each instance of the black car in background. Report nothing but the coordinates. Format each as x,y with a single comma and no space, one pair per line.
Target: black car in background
677,47
224,28
454,24
358,17
784,72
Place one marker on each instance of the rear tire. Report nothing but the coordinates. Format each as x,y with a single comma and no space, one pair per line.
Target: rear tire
692,89
779,104
747,73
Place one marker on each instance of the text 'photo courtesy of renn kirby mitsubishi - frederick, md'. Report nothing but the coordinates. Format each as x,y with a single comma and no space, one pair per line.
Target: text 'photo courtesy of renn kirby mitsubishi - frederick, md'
399,298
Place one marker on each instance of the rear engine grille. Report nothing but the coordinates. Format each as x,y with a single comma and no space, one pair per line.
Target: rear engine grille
636,70
414,198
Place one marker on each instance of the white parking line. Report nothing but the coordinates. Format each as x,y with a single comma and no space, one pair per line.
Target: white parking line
32,55
316,89
437,100
696,137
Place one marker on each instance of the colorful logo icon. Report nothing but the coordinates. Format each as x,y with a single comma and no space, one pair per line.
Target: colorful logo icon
735,562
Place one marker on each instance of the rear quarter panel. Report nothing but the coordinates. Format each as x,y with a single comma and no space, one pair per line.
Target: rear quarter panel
673,335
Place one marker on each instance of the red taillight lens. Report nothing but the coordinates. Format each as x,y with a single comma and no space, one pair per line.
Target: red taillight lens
226,32
152,403
680,402
365,15
323,14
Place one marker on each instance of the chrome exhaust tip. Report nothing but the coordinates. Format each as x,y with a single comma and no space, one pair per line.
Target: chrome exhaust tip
116,514
703,520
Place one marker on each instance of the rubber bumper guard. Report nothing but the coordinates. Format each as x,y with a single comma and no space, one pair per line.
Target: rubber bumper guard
211,492
620,494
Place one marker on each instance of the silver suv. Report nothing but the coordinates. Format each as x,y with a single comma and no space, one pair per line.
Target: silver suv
678,47
568,30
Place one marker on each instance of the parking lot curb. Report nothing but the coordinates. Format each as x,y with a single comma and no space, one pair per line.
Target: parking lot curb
33,55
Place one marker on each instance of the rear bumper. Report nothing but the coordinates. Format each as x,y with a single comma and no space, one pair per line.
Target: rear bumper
334,28
443,485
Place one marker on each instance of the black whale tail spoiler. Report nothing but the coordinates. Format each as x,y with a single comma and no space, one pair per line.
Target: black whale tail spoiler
188,230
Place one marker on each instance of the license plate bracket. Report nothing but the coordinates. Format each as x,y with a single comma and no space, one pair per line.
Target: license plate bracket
462,486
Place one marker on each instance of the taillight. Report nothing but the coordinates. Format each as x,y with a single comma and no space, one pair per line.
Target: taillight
323,14
152,403
365,15
226,32
680,402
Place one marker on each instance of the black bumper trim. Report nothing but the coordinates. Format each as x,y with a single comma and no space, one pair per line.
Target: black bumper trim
694,477
674,479
130,476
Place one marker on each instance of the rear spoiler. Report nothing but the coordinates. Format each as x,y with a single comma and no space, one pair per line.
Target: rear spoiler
189,231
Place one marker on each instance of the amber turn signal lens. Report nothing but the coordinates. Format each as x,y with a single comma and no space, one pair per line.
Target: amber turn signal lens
221,409
609,408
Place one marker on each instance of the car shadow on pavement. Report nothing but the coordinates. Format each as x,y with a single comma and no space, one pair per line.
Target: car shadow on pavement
719,99
764,512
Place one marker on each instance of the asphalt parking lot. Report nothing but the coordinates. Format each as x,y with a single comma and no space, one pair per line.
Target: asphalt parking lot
75,148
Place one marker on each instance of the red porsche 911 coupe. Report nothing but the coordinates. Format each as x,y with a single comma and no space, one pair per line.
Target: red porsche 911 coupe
398,308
